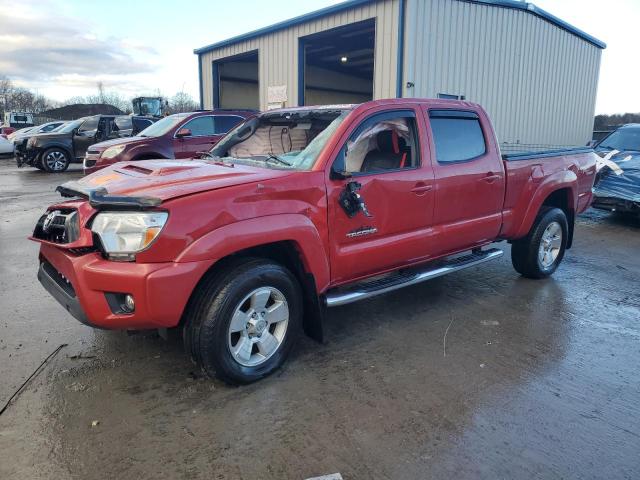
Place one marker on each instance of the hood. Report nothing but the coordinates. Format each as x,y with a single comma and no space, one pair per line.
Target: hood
22,136
166,179
51,136
99,147
625,186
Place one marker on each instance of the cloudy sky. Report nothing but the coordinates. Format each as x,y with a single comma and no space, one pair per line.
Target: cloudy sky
63,48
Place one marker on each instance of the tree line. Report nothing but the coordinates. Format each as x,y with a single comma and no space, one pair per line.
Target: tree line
19,99
611,122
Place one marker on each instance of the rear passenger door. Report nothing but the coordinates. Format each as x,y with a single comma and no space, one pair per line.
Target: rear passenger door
469,177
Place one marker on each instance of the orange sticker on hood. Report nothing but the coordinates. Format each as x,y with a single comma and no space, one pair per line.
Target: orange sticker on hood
102,179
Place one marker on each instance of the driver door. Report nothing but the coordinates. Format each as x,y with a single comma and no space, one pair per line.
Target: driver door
202,139
387,155
87,134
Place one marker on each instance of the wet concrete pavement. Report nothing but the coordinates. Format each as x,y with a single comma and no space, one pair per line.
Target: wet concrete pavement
534,378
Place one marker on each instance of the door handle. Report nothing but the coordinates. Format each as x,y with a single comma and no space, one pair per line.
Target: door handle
421,188
491,177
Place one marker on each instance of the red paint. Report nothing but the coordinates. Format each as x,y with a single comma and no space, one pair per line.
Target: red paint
216,210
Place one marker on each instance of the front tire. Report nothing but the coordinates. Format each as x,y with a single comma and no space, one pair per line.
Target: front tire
539,253
55,160
243,320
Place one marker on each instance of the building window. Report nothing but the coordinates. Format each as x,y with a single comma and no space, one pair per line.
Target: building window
450,96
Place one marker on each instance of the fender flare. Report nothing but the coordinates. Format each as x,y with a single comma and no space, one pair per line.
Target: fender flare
557,181
238,236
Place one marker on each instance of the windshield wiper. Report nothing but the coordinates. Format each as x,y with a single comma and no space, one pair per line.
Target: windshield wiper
206,154
277,159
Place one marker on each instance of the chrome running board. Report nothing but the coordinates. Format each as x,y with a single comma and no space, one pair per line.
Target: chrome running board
394,281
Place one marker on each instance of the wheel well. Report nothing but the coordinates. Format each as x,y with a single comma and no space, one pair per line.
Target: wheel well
286,253
562,199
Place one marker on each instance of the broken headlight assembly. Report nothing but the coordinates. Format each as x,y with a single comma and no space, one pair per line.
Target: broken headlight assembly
123,234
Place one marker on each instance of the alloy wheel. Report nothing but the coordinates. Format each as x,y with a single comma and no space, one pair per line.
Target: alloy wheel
258,326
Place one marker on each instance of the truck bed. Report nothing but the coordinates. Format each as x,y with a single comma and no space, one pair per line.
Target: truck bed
528,173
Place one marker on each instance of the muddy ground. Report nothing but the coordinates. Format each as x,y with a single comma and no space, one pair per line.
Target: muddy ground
534,378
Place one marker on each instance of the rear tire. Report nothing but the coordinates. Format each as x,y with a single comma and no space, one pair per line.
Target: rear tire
55,160
539,253
243,320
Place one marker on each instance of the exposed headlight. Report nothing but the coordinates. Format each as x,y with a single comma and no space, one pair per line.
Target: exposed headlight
123,234
112,151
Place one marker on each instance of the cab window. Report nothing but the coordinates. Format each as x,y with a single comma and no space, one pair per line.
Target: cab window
89,125
200,126
385,142
457,135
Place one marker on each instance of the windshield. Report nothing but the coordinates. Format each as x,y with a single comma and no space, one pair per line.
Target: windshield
162,126
281,139
147,106
623,139
68,127
59,127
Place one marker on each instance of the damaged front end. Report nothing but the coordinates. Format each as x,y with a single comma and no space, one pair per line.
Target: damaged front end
617,187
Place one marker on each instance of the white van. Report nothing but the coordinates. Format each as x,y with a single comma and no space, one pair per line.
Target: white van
18,119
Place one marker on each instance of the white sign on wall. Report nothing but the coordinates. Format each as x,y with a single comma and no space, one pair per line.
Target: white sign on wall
277,94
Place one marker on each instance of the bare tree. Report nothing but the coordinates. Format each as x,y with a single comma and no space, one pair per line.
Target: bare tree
182,102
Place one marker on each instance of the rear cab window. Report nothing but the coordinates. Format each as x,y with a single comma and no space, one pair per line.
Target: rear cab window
457,135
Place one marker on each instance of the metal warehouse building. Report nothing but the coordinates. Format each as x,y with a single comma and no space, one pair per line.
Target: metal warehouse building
536,75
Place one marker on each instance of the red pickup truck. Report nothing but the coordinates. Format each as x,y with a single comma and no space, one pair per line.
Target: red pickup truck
301,209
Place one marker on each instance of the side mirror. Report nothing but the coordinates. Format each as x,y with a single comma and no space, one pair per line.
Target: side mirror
339,174
183,132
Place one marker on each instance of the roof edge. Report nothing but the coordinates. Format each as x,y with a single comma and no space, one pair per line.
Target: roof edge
349,4
285,24
539,12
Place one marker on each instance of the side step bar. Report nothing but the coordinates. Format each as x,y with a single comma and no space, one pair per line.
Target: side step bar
404,278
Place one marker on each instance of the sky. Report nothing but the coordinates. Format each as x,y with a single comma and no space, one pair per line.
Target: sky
64,48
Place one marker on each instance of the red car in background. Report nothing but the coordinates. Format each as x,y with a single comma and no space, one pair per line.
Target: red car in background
181,135
6,131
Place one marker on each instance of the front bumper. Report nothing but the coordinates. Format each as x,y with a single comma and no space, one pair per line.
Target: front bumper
79,283
26,156
92,163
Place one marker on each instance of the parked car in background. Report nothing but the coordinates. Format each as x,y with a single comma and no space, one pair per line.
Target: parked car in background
6,147
55,151
182,135
6,131
19,135
300,209
11,135
620,192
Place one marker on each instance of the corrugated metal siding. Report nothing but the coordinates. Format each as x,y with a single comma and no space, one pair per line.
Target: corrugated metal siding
537,81
278,52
